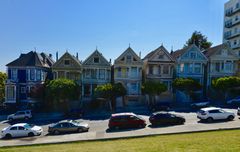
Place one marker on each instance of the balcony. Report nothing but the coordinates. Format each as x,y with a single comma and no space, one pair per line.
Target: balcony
229,24
229,36
232,12
237,46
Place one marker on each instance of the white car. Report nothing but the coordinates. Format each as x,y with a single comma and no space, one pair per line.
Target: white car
212,113
26,114
21,130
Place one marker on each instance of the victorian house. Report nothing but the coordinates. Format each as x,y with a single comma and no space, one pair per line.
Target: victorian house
159,66
190,63
222,62
68,66
24,73
128,71
96,71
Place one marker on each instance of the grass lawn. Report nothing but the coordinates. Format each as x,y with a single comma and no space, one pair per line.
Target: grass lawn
208,141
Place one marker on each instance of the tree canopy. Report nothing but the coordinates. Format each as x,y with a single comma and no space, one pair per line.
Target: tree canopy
3,78
186,84
199,40
153,88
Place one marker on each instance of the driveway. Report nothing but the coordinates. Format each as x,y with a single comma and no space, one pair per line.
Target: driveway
99,130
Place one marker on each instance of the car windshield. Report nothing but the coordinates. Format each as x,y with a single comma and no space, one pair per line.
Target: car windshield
76,122
28,126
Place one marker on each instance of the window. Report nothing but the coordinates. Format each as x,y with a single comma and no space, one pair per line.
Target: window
228,66
197,68
134,72
236,18
235,30
165,69
161,56
67,62
23,89
21,128
235,42
14,74
93,73
150,69
101,74
181,67
38,75
96,60
193,55
217,67
10,93
129,59
191,68
13,128
32,74
237,5
159,69
87,73
119,72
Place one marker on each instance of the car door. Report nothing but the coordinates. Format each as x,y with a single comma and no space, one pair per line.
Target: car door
215,114
14,131
72,127
21,115
22,131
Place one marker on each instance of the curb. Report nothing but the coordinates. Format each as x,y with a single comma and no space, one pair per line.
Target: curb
129,137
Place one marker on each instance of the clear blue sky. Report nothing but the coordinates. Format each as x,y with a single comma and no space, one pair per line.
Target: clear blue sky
81,25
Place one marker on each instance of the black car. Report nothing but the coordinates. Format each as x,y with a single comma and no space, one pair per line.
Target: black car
161,106
76,112
164,118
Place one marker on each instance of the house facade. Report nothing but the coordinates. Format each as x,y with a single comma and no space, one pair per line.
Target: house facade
128,71
68,66
159,66
190,63
24,73
222,62
96,71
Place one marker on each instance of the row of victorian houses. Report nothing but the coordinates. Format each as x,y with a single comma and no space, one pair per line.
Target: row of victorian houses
129,69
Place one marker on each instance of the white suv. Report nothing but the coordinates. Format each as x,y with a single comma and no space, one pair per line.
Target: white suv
211,113
26,114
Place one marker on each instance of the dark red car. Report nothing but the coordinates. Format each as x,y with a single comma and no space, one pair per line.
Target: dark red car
126,120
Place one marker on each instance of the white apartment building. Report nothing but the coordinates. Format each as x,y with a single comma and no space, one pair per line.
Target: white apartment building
231,29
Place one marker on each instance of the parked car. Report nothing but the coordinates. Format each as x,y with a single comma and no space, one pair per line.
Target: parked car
199,105
234,101
164,118
66,126
160,106
26,114
21,130
126,120
238,111
212,113
76,112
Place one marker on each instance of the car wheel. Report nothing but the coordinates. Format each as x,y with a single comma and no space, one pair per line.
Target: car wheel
230,118
210,119
116,127
8,136
80,130
30,134
56,132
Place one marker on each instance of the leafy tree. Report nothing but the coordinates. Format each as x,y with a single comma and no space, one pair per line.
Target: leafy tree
110,92
199,40
153,88
3,78
61,91
187,85
227,85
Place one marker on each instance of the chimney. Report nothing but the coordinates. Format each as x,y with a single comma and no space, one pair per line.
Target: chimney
50,55
56,56
77,55
110,60
140,54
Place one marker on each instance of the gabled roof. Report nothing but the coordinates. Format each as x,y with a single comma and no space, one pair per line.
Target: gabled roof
66,54
129,49
32,59
211,51
96,53
176,54
161,48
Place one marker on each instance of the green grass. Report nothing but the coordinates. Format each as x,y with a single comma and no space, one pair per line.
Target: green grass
207,141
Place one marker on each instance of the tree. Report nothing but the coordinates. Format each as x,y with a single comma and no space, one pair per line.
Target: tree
187,85
61,91
199,40
153,88
110,92
3,78
227,85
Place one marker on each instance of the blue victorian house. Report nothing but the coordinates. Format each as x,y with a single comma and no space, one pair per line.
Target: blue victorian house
24,73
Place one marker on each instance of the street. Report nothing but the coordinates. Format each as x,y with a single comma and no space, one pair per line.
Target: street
99,130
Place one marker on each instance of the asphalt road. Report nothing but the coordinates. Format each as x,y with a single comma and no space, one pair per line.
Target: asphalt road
99,130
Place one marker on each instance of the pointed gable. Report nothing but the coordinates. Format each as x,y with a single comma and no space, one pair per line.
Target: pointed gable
160,54
96,58
67,61
128,57
191,52
221,51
